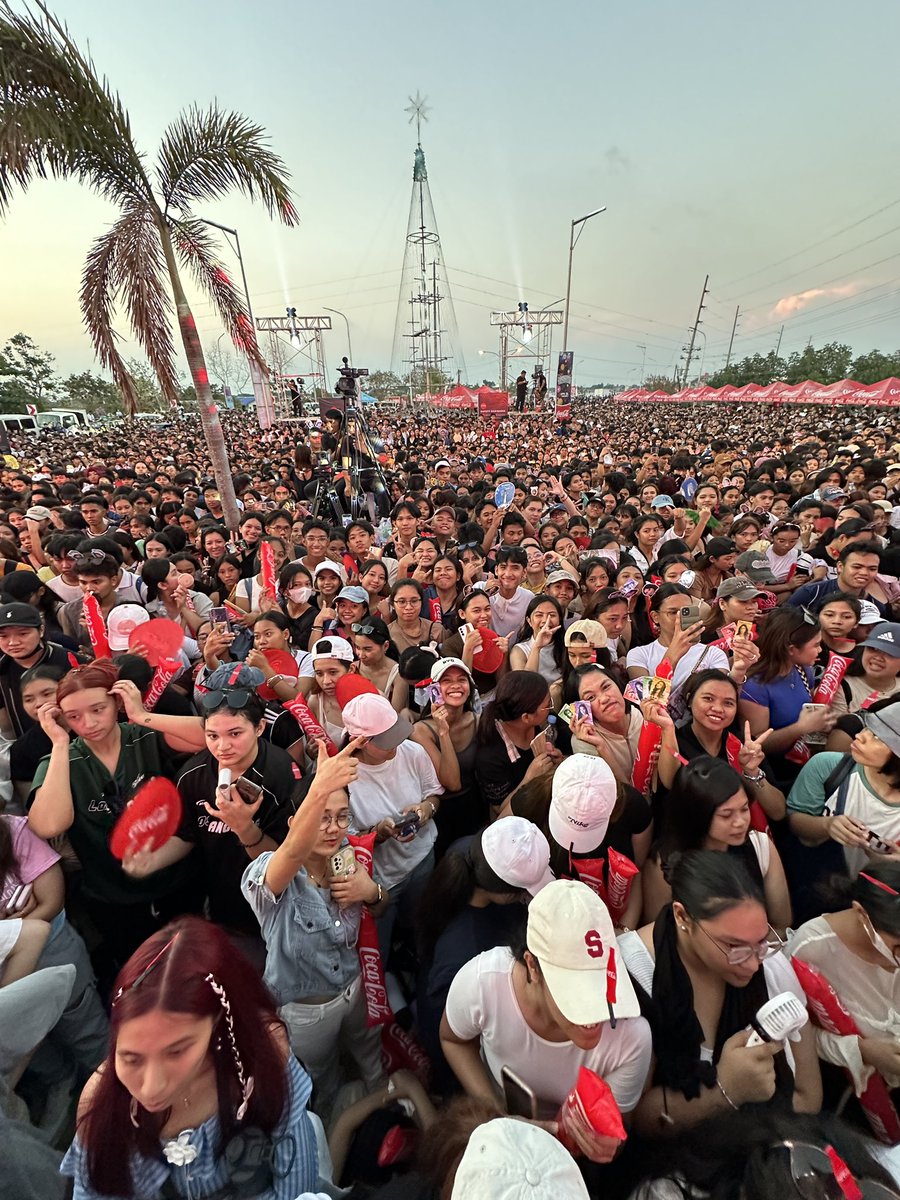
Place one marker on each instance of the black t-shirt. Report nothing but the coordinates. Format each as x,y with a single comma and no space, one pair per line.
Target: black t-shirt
10,679
495,775
223,857
26,752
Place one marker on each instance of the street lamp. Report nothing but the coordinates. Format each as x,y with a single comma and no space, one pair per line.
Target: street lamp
580,221
338,313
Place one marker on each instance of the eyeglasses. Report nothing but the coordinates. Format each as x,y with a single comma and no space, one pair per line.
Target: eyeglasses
365,630
341,819
735,956
821,1174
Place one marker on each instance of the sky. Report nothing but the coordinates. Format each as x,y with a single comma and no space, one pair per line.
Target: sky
755,143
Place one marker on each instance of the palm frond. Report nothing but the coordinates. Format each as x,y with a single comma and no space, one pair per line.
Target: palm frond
196,248
126,264
98,307
57,116
206,153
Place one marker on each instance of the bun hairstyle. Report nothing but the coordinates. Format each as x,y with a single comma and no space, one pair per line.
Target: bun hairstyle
102,673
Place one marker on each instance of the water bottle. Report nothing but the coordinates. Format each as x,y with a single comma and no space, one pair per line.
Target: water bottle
550,731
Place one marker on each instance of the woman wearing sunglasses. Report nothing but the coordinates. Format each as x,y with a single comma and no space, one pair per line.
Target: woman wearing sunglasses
857,950
308,896
379,659
706,966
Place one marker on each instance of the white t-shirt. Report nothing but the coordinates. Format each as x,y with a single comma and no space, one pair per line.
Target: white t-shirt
385,791
781,563
481,1004
649,657
507,615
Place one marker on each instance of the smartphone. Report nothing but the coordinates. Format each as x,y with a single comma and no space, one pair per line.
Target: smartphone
520,1099
816,737
607,460
248,791
878,844
19,898
407,823
465,630
583,712
230,548
342,864
218,619
690,615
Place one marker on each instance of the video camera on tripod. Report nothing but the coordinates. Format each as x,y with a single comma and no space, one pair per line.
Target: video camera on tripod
347,385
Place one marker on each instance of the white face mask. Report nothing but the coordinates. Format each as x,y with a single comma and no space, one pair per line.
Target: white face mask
879,943
299,595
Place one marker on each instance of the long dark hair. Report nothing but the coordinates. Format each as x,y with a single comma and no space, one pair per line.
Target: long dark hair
784,628
171,972
557,644
517,693
706,883
450,889
9,863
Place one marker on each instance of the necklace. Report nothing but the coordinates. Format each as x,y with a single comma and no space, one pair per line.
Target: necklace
804,681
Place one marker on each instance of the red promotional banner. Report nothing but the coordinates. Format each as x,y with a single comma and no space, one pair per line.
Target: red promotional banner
885,394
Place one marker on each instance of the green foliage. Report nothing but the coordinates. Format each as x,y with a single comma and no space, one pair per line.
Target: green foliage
826,364
660,383
27,375
382,384
93,393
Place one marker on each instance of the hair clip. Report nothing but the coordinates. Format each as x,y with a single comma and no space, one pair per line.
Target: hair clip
885,887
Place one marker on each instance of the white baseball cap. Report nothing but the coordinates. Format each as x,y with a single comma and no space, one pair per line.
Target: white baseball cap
571,934
507,1159
331,647
442,665
122,619
584,796
517,851
870,614
328,564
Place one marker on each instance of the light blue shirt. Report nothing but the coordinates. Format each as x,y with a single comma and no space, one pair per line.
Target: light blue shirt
310,941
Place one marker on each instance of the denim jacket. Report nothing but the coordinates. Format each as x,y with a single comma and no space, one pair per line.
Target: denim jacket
310,942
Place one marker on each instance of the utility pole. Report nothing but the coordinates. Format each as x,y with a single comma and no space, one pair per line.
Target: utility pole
778,345
737,313
690,353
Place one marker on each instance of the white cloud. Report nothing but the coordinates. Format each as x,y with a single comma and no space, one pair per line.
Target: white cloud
788,306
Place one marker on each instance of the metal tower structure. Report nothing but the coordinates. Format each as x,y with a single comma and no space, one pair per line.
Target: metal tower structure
530,334
295,352
426,338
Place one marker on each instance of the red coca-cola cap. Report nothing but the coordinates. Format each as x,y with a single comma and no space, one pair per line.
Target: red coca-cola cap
490,657
282,663
156,640
152,815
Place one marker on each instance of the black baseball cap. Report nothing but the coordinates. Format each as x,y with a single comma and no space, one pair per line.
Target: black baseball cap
24,615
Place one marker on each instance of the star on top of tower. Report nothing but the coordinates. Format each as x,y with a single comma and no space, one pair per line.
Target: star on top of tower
418,112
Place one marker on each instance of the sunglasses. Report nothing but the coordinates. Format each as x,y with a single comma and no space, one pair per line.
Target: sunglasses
365,630
821,1174
235,698
90,556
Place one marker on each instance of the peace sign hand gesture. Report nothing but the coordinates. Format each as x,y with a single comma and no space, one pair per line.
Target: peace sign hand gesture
752,752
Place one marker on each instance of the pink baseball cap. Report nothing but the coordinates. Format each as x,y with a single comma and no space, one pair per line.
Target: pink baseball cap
375,718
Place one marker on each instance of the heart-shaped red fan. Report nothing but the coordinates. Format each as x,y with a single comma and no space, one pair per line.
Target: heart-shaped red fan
282,663
156,640
152,815
490,657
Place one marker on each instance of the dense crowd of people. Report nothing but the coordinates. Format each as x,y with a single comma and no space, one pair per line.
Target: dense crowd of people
502,808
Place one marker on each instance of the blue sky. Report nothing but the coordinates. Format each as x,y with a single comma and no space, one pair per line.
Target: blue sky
754,142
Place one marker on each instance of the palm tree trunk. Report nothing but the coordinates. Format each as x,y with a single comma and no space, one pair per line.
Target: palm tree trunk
209,416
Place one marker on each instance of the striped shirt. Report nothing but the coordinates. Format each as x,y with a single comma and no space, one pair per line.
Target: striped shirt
295,1163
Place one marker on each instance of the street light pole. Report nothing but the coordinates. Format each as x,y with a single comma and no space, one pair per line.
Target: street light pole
265,404
580,221
338,313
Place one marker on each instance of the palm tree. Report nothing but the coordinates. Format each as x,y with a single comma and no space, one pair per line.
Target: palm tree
59,118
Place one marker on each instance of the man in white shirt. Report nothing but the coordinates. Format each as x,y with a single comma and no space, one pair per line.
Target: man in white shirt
509,602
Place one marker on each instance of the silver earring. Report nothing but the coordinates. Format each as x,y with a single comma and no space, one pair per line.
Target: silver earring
133,1113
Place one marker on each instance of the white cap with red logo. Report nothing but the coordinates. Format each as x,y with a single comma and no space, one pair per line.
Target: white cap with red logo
571,934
